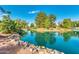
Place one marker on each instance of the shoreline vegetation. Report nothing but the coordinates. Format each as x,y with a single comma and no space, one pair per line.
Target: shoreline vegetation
11,30
60,30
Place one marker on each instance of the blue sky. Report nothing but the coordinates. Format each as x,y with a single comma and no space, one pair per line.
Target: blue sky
29,12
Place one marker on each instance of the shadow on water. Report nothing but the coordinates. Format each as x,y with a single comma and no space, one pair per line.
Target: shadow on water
75,33
32,33
66,36
22,32
45,38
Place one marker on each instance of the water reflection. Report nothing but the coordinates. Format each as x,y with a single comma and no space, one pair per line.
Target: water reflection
55,40
75,33
49,37
67,35
32,33
45,38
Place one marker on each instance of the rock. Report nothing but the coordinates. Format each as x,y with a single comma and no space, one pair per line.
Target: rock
62,53
50,50
56,52
8,49
30,49
53,52
32,46
41,52
24,51
45,51
14,36
42,47
34,51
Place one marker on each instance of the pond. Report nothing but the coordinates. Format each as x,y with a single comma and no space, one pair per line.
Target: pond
67,42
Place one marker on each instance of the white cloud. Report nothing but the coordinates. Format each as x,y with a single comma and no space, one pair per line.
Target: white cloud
33,12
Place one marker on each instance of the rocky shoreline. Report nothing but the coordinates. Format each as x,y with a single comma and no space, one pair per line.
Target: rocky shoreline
12,45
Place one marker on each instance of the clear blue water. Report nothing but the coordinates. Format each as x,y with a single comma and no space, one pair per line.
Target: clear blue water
66,42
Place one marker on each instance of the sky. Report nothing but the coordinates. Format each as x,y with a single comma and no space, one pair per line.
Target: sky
29,12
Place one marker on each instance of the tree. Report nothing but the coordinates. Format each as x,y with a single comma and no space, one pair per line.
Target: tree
44,21
24,24
21,24
52,19
41,17
47,23
67,23
7,25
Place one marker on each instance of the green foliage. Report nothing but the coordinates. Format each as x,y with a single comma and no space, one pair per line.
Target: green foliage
21,23
47,23
10,26
52,18
66,36
41,16
45,38
67,23
21,32
75,23
7,25
44,21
